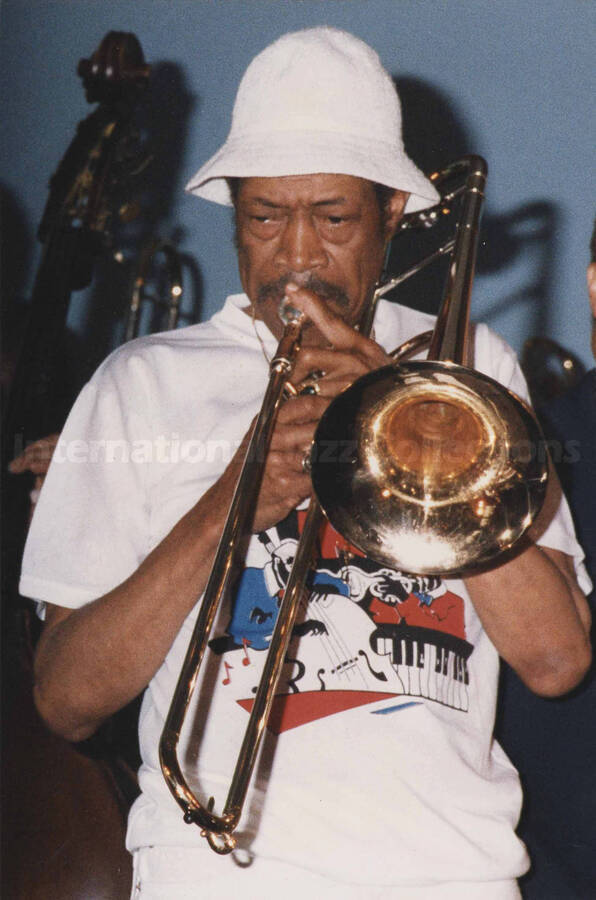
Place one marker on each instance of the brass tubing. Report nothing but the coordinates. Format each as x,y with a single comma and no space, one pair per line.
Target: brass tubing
138,295
238,521
449,342
274,661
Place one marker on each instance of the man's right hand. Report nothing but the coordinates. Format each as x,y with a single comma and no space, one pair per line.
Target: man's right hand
342,355
286,483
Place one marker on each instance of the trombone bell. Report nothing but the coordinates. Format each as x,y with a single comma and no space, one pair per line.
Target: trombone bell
438,468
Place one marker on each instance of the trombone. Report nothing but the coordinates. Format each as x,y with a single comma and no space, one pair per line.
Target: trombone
172,273
443,475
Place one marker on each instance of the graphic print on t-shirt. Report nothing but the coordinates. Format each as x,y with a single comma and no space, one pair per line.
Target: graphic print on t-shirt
367,633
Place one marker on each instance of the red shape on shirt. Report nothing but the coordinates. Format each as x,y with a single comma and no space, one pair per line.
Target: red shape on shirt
292,710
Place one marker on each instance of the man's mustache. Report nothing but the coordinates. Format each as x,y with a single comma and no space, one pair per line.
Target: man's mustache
275,290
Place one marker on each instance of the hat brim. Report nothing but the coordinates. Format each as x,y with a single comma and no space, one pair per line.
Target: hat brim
300,153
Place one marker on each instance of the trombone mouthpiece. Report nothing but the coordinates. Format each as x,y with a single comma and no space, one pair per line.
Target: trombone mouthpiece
289,313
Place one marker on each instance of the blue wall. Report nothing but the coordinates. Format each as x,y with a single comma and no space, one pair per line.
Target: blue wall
510,80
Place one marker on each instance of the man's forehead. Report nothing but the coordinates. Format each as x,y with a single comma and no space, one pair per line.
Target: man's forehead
313,188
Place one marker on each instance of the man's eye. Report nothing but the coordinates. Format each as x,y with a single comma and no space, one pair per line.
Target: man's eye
336,220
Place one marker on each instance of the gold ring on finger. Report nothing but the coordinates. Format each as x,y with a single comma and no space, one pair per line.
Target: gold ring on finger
306,462
310,384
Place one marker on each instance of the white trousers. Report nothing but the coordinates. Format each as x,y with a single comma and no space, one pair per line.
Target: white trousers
181,873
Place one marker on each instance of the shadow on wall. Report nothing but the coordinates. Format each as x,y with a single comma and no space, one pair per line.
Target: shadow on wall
529,233
435,135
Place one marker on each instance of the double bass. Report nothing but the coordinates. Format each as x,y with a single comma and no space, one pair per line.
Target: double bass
64,807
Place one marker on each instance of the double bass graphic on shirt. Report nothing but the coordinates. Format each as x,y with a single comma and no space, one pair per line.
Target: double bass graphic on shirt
367,633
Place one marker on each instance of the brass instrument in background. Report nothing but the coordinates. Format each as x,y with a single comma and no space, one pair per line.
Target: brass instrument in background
153,249
443,473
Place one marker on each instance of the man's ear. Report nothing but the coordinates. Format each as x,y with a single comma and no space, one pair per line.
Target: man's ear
395,210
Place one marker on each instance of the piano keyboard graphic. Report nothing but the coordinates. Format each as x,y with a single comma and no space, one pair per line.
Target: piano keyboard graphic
428,663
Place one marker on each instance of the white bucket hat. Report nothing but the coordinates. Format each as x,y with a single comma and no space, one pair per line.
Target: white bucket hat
316,100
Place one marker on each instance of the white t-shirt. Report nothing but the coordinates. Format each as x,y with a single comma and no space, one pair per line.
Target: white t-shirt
379,767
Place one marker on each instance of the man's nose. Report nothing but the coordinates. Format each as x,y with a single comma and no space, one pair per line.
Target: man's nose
300,248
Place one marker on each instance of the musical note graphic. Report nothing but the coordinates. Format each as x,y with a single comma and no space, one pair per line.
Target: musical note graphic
227,679
245,645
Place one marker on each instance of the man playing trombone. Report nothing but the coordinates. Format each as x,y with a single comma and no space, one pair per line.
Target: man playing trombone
378,776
